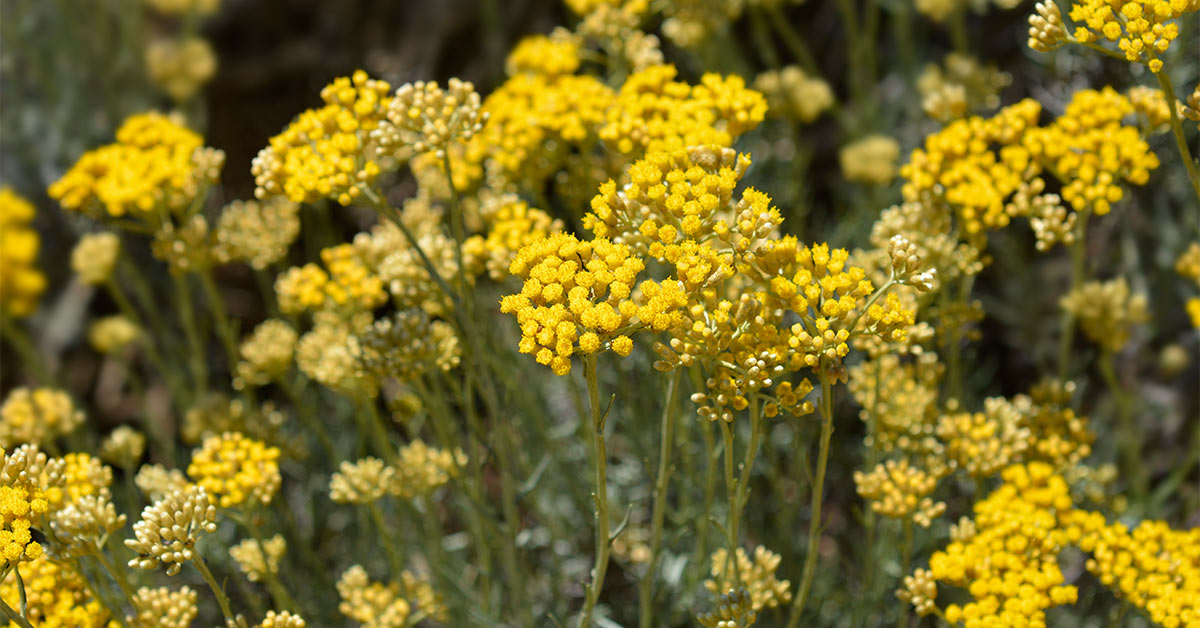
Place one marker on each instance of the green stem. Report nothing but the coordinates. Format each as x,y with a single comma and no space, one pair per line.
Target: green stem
187,317
222,600
731,498
600,463
14,616
279,594
1078,269
25,349
389,543
818,489
1177,129
1131,440
666,445
220,314
117,574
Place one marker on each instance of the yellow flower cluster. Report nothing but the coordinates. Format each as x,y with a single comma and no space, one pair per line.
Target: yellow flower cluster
1090,151
378,605
266,354
1150,103
983,443
156,164
510,224
156,481
900,404
362,481
1107,311
165,608
959,85
257,233
427,118
257,560
653,111
793,94
283,619
348,285
871,160
577,296
329,353
899,490
55,596
21,283
1010,562
29,484
974,164
37,416
327,152
123,447
236,470
1143,29
170,527
94,257
1155,568
421,469
757,577
1057,435
553,56
181,66
406,345
734,609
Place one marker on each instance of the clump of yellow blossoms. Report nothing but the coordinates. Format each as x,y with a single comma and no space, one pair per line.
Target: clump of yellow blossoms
378,605
1057,435
791,93
156,481
29,484
1155,568
266,354
37,416
1046,29
164,607
256,232
406,345
185,7
555,55
1009,561
256,559
420,469
757,577
1090,151
975,164
54,595
112,334
983,443
1107,311
94,257
577,296
349,284
900,491
958,86
428,118
123,447
511,224
1143,29
327,152
362,481
235,470
900,403
653,111
871,160
734,609
181,66
283,619
21,283
170,527
156,164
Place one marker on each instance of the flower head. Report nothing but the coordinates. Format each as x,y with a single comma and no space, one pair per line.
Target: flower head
21,283
170,527
235,470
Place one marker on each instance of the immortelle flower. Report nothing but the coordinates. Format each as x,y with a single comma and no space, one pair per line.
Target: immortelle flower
180,66
734,609
900,491
282,619
123,447
164,607
251,559
1143,29
378,605
169,529
156,164
37,416
256,232
362,481
29,484
428,118
21,283
111,334
327,152
757,577
870,160
266,353
793,94
236,470
156,481
54,595
420,469
983,443
577,297
1107,311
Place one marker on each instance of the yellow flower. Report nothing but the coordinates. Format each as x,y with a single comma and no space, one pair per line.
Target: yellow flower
258,233
330,151
420,469
757,576
1107,311
30,485
37,416
250,558
56,595
870,160
901,491
181,66
378,605
511,224
236,470
170,527
21,283
156,164
164,608
983,443
556,55
348,286
1143,29
793,94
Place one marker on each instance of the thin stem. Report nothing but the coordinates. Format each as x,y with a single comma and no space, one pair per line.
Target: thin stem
731,497
187,316
1078,268
818,489
1131,440
25,349
389,543
600,463
646,586
279,594
222,600
224,327
117,574
14,616
1177,129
